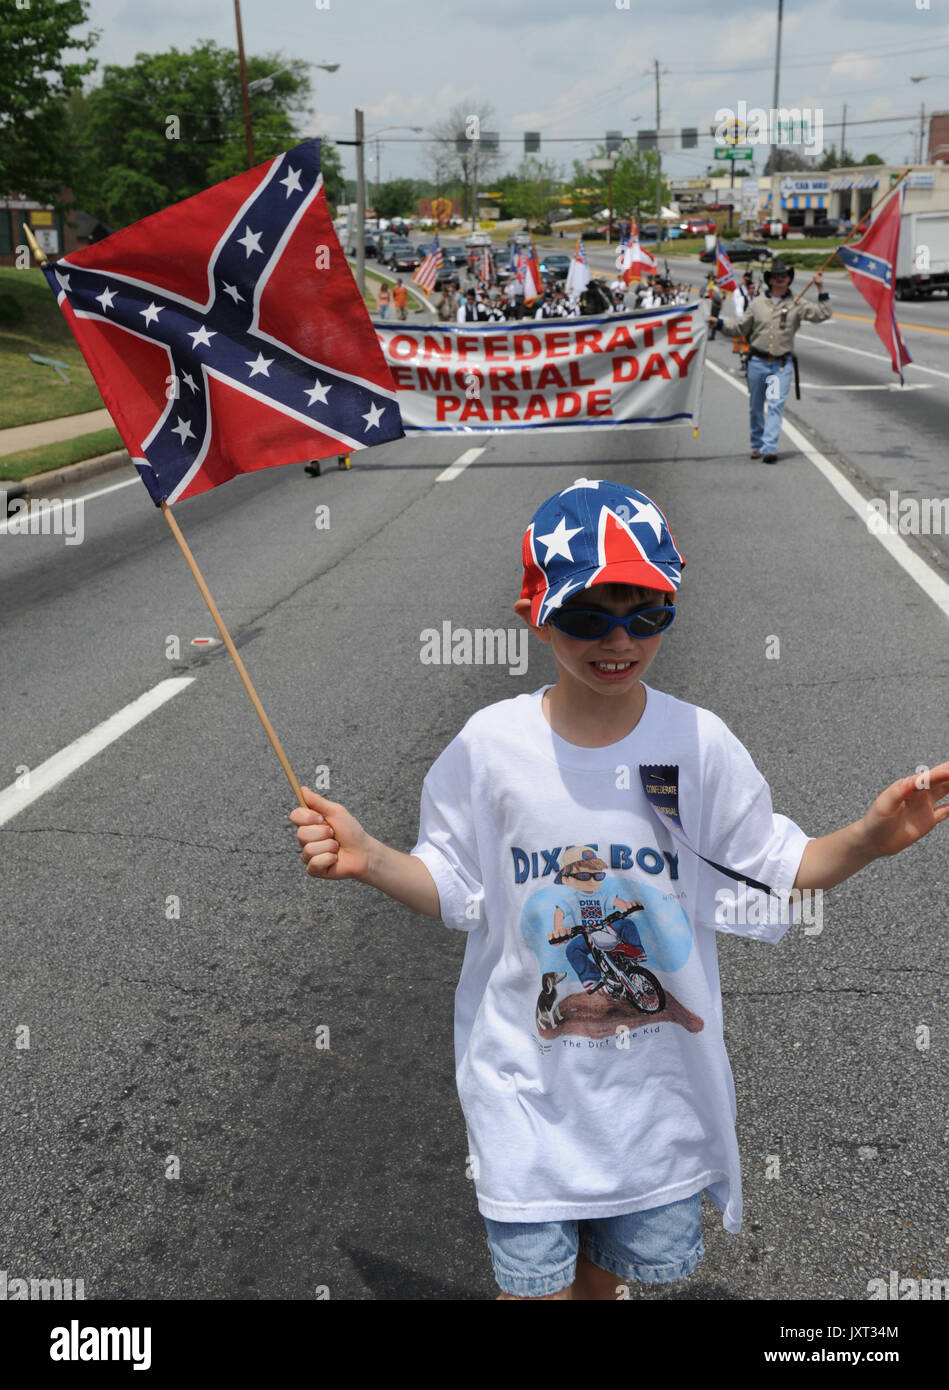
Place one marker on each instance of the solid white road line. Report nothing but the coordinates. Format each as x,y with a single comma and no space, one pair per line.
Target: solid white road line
862,352
886,386
14,799
928,580
50,504
448,474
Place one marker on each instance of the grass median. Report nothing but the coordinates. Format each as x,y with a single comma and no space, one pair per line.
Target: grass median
16,467
32,322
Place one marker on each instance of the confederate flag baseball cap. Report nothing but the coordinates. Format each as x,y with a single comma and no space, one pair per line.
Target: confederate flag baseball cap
596,532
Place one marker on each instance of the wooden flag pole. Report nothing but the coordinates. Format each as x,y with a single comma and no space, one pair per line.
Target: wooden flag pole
228,642
854,233
40,256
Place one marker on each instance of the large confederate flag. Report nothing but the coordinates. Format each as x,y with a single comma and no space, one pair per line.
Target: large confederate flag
227,333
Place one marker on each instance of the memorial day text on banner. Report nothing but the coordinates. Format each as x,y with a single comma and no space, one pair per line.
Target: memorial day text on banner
622,371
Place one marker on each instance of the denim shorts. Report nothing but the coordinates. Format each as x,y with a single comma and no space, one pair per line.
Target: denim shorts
536,1258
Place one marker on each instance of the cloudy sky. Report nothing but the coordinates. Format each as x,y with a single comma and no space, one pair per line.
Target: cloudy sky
574,68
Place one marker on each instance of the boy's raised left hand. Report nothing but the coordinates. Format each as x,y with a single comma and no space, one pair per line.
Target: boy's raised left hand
906,811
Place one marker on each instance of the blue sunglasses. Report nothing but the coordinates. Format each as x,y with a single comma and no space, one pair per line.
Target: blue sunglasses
590,624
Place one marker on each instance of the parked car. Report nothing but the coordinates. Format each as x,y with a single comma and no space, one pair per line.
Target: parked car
772,227
648,232
739,251
828,227
674,233
478,239
371,249
697,226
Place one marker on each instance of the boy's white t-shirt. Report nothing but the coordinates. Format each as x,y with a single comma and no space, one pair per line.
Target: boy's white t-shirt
576,1104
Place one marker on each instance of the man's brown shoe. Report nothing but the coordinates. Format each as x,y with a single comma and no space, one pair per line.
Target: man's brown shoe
756,453
770,458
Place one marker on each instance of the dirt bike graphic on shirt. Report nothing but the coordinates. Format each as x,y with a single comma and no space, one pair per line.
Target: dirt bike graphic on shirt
618,963
606,947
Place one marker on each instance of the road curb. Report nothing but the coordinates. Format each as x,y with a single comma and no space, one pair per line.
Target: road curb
43,484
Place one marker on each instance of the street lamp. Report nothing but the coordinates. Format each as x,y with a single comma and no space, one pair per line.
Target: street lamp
373,136
263,84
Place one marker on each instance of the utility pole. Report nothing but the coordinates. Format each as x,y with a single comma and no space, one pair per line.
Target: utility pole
774,104
843,135
378,169
360,207
609,181
658,165
474,182
245,95
922,133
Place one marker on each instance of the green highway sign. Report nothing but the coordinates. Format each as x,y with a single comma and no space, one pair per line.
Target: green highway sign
734,152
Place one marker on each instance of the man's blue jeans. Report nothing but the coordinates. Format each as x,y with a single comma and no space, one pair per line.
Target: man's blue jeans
766,428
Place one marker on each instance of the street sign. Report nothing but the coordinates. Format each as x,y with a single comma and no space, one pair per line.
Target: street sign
734,152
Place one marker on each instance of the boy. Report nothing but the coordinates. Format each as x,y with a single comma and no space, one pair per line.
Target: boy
593,1122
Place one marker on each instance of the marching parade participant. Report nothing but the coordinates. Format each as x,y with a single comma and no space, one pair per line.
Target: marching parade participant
744,293
715,296
770,323
470,311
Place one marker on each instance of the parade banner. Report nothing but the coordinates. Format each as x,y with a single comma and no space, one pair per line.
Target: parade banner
631,370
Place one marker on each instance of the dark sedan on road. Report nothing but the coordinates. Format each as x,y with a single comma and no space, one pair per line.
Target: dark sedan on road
404,258
739,251
557,263
397,248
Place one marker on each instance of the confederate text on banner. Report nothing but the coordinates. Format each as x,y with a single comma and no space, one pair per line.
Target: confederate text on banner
622,370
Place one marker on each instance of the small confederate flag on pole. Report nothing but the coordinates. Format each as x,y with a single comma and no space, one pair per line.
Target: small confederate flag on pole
872,266
724,271
227,334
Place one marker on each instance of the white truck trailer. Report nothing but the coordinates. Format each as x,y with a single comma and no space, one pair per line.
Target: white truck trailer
922,262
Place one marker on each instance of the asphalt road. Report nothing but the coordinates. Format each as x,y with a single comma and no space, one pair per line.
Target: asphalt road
196,1038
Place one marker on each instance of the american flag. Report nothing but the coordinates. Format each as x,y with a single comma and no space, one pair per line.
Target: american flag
486,267
226,333
872,263
424,277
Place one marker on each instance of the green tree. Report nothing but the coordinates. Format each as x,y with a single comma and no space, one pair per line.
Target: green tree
634,183
35,81
395,199
872,159
833,160
171,125
532,191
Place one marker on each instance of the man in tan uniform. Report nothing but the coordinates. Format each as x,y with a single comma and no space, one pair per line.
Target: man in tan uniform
770,323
